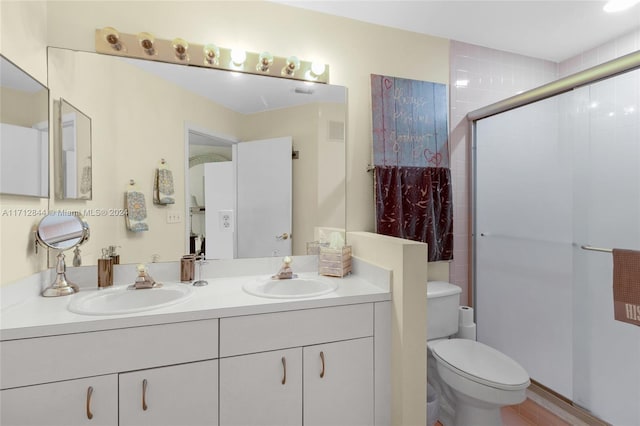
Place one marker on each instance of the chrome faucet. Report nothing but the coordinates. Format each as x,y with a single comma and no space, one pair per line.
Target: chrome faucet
285,272
144,280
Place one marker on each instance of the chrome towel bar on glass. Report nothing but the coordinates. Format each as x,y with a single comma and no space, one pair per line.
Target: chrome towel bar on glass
604,250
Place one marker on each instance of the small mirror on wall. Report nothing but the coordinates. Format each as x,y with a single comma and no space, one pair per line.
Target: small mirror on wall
24,133
73,153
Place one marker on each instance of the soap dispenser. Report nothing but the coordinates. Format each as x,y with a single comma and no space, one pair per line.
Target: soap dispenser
105,270
114,256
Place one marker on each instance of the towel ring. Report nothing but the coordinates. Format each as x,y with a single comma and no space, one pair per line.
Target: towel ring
132,182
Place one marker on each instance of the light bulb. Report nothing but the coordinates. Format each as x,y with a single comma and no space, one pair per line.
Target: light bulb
112,37
264,62
211,54
147,43
317,68
238,57
293,63
180,47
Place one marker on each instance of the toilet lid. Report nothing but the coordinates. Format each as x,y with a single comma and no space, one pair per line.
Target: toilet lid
481,363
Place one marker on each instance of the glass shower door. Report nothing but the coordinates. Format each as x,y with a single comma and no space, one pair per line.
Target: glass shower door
604,121
551,177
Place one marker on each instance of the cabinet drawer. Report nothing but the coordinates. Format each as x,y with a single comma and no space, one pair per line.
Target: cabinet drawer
265,332
70,356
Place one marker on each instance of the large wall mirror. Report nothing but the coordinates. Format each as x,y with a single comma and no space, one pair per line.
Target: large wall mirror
24,133
144,112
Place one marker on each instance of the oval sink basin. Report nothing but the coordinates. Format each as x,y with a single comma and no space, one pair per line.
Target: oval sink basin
290,288
124,300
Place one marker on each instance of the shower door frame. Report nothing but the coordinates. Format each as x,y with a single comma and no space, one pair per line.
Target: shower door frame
586,77
606,70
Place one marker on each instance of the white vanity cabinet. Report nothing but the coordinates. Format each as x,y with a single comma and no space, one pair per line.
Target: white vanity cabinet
46,380
263,389
338,383
271,367
185,394
91,401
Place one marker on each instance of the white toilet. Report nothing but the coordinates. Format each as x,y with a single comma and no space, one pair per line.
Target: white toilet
472,379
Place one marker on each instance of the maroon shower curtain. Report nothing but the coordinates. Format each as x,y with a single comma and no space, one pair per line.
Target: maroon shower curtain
415,203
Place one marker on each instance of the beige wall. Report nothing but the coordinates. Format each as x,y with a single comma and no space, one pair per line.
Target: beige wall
23,39
408,319
28,27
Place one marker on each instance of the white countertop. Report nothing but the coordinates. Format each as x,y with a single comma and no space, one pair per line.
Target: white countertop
38,316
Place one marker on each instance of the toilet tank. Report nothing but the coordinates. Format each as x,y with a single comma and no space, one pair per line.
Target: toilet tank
443,300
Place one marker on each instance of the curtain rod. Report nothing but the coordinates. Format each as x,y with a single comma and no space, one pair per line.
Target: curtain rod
599,72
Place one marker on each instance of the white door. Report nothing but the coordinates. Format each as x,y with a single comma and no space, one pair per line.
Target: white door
92,401
338,383
185,394
220,210
263,389
264,216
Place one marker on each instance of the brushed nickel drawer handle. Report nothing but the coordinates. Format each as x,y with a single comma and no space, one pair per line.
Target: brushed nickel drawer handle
89,394
284,370
322,359
144,395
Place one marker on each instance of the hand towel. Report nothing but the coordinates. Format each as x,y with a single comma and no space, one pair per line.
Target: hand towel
85,180
136,210
163,186
626,285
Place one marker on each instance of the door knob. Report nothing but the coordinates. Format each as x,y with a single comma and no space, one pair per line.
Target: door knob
284,236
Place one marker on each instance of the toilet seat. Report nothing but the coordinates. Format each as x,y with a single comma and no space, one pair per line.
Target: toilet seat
481,363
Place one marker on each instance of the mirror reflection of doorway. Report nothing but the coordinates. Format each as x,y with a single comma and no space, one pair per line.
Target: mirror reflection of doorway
239,196
203,148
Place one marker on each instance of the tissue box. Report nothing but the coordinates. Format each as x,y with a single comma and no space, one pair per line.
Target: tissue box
313,247
334,262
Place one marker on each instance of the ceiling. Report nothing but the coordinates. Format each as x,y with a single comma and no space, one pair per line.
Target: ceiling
243,93
552,30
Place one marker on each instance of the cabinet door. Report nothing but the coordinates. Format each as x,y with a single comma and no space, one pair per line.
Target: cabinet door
338,383
262,389
185,394
92,401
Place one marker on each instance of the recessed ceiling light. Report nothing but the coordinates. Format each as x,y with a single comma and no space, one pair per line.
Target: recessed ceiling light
619,5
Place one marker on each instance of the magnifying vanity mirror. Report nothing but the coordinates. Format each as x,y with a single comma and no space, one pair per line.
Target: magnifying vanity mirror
143,112
60,232
24,133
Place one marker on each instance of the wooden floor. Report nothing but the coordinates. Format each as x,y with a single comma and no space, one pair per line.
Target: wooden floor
528,414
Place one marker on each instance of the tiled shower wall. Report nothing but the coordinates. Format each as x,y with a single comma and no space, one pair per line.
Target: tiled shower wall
482,76
479,77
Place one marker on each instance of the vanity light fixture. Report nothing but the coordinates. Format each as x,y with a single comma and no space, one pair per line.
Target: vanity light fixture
293,64
178,51
147,43
211,54
180,47
112,37
265,60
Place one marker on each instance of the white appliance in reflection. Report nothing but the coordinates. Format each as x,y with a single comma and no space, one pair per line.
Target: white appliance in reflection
473,380
248,201
24,160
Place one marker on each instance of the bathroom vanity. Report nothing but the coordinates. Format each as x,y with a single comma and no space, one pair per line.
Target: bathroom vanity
220,356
